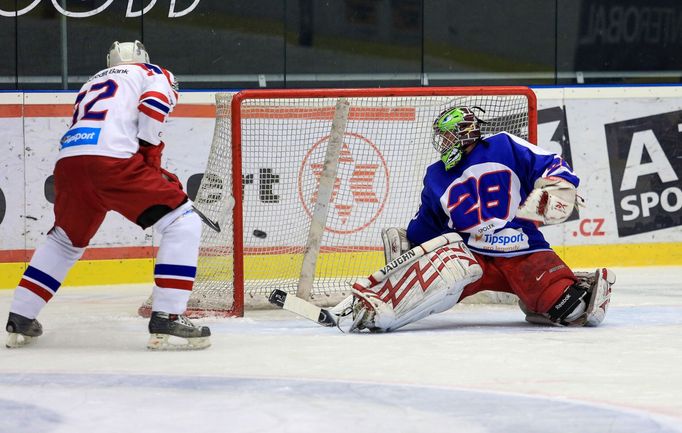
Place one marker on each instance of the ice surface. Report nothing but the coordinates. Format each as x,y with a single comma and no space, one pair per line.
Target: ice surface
476,368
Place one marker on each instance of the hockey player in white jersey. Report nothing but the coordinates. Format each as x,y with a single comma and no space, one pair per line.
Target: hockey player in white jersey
477,229
110,159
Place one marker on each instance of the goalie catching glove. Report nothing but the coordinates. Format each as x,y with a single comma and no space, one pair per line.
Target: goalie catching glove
551,202
425,280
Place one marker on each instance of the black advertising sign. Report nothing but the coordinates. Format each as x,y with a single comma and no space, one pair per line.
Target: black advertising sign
645,156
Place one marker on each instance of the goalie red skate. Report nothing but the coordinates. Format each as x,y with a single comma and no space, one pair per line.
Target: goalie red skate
597,288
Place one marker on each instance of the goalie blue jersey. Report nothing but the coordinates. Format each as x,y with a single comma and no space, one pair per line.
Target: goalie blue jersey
478,198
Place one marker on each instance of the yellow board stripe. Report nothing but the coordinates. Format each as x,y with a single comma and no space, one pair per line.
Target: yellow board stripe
89,272
131,271
622,255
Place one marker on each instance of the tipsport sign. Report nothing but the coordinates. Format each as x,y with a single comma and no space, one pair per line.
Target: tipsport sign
645,155
174,11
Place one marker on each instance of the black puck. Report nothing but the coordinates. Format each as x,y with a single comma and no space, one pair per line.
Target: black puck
260,234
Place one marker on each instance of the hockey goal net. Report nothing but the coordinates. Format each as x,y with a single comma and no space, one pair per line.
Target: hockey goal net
263,184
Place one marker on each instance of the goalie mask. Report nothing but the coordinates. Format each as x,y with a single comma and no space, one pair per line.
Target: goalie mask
454,130
126,52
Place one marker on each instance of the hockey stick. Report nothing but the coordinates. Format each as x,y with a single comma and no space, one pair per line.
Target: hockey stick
310,311
325,189
206,220
301,307
412,255
298,304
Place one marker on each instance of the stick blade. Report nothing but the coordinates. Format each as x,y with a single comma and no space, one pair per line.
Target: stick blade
213,225
277,298
301,307
326,318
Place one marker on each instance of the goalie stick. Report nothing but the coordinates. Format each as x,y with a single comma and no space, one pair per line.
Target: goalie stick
301,307
411,255
325,189
310,311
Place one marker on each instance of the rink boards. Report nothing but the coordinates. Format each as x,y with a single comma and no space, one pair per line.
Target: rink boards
623,143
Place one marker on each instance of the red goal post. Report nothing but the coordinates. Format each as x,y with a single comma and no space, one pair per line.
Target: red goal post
270,157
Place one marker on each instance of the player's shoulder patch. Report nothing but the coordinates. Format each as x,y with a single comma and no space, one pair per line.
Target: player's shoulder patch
153,70
150,68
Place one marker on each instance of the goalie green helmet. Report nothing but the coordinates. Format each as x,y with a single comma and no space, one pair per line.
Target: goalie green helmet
126,52
454,130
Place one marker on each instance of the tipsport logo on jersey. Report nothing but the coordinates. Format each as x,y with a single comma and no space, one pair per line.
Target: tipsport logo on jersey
645,156
80,137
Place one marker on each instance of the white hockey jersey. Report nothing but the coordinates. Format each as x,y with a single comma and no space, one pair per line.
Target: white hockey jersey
118,106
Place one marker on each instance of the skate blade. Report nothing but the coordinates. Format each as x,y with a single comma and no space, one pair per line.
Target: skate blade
358,324
15,340
169,342
539,319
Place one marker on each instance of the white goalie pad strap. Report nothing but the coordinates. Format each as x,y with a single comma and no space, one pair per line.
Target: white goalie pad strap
551,202
395,242
429,283
339,309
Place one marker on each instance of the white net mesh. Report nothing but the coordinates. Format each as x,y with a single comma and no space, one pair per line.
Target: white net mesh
386,149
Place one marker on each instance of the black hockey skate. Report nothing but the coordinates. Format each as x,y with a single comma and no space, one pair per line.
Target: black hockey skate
164,327
22,330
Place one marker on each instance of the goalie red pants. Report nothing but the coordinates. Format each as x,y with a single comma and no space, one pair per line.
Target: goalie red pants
87,187
538,279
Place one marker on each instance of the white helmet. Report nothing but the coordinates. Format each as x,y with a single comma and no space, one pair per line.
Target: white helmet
126,52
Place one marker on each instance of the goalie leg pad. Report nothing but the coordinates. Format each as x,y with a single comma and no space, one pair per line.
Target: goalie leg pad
430,284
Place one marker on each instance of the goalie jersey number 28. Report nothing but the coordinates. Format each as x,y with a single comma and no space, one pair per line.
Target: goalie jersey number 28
479,197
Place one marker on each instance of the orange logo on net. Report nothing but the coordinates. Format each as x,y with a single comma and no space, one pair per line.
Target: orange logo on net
360,189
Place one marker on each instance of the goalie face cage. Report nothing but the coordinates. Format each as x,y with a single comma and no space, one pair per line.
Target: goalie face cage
268,154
